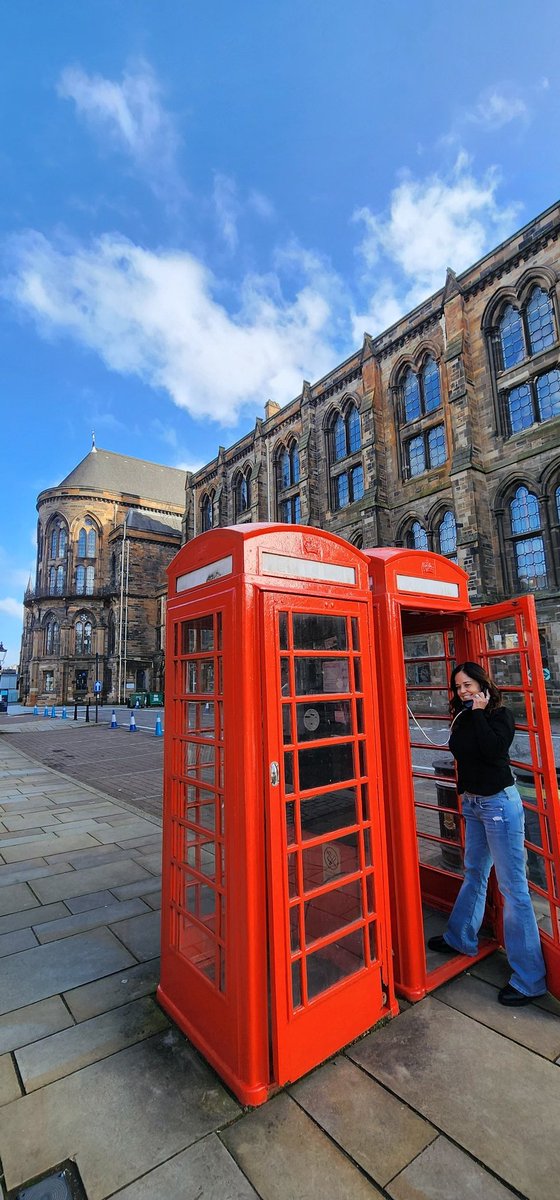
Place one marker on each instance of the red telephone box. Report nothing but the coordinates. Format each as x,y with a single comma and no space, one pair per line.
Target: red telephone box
275,935
424,623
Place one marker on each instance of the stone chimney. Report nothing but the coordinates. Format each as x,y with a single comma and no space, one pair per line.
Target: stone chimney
270,409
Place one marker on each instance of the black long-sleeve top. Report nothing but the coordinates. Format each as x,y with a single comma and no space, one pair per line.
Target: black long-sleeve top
480,742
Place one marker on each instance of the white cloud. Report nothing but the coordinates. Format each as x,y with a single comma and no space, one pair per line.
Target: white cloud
432,223
498,107
132,115
13,608
153,315
227,208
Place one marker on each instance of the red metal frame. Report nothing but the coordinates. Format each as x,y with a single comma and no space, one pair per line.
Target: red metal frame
415,592
225,892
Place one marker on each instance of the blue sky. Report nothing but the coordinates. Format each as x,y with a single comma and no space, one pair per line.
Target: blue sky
202,205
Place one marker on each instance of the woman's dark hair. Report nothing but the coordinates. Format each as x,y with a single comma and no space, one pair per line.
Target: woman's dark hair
480,676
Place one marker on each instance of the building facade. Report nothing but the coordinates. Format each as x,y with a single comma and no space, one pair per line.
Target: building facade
441,433
105,536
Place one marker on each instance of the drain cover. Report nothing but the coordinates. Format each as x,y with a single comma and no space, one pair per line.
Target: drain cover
62,1184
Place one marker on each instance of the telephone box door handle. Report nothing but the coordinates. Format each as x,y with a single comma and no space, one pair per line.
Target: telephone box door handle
274,774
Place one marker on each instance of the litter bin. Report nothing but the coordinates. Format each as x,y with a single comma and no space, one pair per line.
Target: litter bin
137,700
449,825
155,699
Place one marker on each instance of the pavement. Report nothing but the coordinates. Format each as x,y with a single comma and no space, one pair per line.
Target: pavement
456,1098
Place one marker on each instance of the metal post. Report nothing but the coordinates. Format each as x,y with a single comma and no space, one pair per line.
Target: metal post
75,712
87,711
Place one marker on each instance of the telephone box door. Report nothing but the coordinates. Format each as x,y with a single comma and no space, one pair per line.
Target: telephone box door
505,639
326,877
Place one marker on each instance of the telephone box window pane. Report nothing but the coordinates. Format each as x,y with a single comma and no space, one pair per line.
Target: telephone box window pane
501,635
355,633
199,852
198,675
372,935
287,724
293,888
199,946
288,771
370,890
290,824
201,718
330,860
333,718
295,940
324,765
296,985
198,635
327,812
200,900
285,676
319,631
321,676
331,911
283,628
337,961
203,815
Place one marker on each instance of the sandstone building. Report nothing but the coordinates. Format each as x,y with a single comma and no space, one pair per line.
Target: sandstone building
104,538
443,432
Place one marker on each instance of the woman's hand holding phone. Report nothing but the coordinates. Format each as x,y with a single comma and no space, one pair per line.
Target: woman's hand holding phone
480,700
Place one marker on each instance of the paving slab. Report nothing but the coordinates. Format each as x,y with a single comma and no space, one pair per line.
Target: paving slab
26,871
33,1022
51,931
78,904
18,939
23,821
46,970
140,1105
285,1155
32,916
532,1027
441,1171
77,1046
80,883
141,935
89,858
16,897
206,1171
9,1084
153,899
494,1098
142,887
59,843
104,994
374,1128
496,970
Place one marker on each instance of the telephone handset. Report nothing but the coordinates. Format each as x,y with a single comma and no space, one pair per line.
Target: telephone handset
469,703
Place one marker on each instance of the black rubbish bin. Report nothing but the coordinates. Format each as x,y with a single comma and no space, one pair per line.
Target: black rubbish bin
449,824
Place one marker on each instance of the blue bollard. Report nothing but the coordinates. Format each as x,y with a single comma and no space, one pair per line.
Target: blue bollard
158,730
36,710
64,714
114,720
132,726
53,711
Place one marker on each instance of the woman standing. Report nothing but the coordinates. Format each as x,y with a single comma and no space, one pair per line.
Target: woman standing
481,734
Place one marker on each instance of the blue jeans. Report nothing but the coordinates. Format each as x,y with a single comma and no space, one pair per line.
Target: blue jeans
494,834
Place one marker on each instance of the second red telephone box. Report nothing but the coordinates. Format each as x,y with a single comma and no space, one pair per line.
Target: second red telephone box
275,937
424,624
